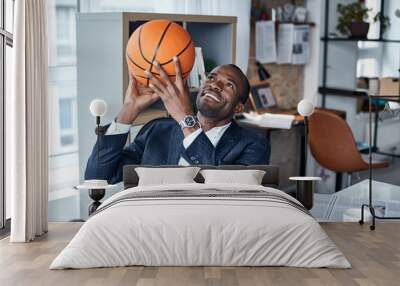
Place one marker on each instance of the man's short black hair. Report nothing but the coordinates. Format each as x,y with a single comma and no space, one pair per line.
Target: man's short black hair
244,92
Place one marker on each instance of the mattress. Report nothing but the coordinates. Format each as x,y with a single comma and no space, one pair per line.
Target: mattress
201,225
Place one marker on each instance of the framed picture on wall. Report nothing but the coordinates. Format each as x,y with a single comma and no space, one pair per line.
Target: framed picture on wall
262,96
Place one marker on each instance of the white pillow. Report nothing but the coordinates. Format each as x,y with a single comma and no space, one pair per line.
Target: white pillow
248,177
164,176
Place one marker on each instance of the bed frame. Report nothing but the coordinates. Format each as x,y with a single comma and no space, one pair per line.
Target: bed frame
270,179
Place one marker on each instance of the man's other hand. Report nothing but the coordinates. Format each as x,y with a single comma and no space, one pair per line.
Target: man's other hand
137,99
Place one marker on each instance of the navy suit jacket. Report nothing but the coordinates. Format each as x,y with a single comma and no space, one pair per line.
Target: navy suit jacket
160,142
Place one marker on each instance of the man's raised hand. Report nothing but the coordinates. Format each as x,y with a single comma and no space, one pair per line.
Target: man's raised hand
137,99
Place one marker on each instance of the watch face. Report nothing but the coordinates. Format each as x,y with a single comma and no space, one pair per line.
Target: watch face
190,121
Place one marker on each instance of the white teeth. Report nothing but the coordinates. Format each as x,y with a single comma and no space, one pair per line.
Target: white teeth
213,97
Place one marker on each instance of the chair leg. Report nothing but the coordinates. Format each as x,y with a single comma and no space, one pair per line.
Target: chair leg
348,179
338,185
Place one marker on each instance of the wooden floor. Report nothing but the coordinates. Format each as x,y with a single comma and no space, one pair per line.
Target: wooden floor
375,257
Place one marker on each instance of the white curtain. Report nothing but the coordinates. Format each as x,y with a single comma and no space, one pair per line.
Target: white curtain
27,123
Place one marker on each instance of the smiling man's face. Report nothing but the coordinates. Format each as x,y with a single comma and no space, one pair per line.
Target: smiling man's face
219,96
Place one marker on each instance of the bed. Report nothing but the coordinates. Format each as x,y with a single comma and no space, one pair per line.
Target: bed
201,224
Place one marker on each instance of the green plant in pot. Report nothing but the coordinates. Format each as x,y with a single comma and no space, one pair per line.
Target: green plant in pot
352,19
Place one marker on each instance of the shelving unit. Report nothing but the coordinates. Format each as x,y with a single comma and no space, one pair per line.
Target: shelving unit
343,92
370,205
338,66
339,39
326,90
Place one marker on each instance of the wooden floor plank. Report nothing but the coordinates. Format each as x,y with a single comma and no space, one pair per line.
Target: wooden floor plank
375,257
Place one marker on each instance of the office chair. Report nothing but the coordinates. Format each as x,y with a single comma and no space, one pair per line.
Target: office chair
333,145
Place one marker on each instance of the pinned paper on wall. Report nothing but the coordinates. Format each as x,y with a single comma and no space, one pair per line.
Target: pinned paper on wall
301,46
265,42
285,43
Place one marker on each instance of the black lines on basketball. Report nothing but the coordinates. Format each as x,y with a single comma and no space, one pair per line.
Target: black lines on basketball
140,46
145,77
178,54
157,47
133,62
154,73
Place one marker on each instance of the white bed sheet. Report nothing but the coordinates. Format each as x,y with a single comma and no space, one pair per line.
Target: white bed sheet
206,231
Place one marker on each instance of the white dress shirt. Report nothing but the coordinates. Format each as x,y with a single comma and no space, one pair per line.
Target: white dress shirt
214,135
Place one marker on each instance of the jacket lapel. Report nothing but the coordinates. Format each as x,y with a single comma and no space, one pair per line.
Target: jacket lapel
175,146
228,140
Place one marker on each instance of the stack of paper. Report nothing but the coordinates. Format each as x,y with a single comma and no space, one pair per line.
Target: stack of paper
285,43
265,42
282,121
293,44
301,46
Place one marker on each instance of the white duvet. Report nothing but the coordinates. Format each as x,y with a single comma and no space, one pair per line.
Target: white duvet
200,231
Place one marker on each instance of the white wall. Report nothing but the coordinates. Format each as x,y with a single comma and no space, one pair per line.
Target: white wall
99,73
311,70
391,52
341,68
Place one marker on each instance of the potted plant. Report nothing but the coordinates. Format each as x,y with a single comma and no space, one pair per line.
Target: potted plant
352,20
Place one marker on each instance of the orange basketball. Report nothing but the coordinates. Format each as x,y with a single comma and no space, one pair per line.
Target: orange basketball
159,40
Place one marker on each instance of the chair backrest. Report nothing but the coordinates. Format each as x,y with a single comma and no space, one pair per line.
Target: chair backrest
332,143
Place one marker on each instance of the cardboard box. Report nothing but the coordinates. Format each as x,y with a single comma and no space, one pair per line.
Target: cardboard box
389,86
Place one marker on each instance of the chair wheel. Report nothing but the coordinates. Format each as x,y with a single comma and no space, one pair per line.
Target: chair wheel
372,227
361,222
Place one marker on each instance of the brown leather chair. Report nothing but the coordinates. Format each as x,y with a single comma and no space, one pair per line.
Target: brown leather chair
333,145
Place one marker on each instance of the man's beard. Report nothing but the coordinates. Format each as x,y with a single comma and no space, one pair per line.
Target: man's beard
209,112
214,113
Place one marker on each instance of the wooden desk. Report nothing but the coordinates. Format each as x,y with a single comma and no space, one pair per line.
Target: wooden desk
297,117
292,111
297,123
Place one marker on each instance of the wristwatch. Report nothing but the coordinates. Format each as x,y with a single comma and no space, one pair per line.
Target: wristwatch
189,121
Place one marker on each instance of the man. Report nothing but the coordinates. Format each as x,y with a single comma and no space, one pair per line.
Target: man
210,138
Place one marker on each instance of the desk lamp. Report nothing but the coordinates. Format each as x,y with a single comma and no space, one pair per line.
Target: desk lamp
305,185
306,109
98,108
97,188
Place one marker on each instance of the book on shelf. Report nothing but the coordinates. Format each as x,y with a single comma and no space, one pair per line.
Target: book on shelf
197,75
200,64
